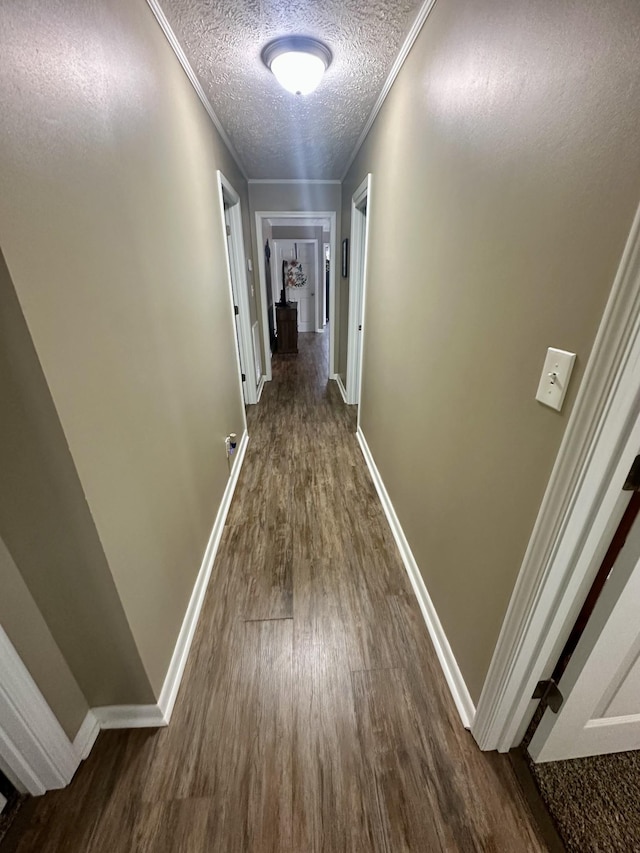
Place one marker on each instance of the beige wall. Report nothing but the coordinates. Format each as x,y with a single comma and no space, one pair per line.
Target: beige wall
34,642
288,232
112,233
48,530
505,179
295,197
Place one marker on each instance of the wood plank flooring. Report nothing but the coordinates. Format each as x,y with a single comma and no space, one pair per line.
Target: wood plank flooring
313,715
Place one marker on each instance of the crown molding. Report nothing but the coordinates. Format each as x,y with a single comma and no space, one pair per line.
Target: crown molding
291,181
188,70
412,35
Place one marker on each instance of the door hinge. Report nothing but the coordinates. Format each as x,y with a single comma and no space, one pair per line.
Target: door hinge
244,378
360,328
548,692
236,310
632,483
228,231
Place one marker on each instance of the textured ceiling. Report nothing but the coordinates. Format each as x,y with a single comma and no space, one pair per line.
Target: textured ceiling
275,134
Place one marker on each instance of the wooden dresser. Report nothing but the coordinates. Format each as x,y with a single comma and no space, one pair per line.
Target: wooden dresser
287,326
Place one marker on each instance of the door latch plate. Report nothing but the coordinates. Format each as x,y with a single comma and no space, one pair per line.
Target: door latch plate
548,692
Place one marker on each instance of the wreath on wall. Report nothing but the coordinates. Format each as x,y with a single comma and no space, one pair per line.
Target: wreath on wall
293,274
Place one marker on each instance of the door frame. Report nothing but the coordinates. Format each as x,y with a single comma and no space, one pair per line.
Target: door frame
260,215
35,753
357,290
236,256
276,240
582,726
579,514
325,246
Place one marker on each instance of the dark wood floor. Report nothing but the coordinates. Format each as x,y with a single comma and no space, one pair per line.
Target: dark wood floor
313,715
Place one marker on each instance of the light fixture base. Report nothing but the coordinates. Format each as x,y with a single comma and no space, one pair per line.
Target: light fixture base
296,44
297,62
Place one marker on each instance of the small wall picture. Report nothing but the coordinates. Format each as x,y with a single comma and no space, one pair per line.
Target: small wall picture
345,257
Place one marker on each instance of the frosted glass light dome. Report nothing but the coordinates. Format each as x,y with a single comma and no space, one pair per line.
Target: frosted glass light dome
298,73
297,62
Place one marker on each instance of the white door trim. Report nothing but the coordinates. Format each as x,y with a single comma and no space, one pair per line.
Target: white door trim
358,252
331,215
580,511
236,256
602,671
325,246
33,745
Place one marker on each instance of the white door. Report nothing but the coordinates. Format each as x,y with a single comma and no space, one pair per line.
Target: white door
601,685
305,251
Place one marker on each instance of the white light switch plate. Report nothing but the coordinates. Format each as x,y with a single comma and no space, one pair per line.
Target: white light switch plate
555,377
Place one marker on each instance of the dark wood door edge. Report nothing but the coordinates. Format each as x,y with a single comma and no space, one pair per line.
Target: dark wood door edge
543,820
617,543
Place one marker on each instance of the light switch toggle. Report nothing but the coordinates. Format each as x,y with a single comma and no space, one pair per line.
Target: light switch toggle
554,381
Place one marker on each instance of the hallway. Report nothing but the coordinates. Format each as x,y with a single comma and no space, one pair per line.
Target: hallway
313,714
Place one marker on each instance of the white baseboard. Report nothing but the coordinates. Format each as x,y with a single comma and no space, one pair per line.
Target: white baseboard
34,749
260,387
450,668
175,672
152,716
343,390
130,716
86,737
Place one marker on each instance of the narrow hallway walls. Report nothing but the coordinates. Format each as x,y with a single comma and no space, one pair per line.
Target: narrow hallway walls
112,234
505,180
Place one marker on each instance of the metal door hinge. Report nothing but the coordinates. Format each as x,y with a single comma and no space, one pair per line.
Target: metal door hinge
228,231
244,378
632,483
236,310
547,691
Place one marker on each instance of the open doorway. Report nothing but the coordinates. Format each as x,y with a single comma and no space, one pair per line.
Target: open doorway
307,292
299,236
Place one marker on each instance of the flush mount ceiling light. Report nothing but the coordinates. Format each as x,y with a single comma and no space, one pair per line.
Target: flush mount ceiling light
298,62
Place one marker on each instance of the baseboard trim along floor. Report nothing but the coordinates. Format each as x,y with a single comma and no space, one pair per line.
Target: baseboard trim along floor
341,387
450,668
153,716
